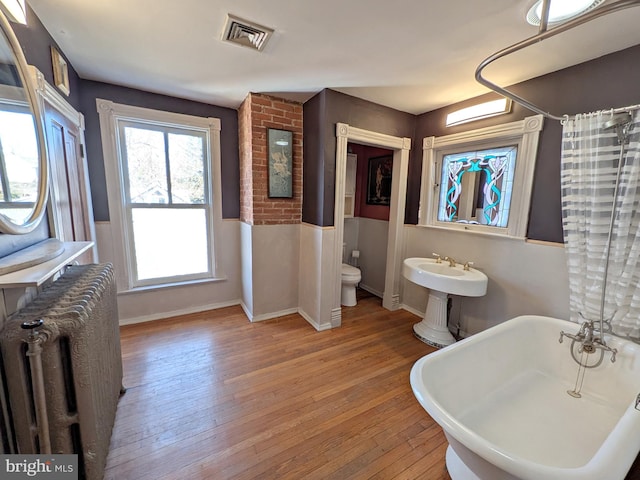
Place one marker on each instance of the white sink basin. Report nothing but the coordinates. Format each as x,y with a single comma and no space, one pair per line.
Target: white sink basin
441,280
440,276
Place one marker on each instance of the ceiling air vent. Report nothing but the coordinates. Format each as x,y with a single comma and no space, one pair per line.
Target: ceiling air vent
247,34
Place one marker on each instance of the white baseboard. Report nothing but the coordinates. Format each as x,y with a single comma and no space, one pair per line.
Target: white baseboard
312,322
308,318
409,309
268,316
372,290
176,313
246,311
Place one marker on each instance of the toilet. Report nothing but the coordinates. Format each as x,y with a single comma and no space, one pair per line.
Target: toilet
350,278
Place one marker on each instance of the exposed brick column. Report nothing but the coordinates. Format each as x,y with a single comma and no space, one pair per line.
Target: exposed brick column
257,113
246,169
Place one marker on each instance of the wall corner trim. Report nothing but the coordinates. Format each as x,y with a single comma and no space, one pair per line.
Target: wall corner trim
320,327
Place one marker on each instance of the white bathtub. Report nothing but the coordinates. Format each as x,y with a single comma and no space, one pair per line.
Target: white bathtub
500,397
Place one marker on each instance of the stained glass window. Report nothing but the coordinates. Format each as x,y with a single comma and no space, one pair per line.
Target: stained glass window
476,186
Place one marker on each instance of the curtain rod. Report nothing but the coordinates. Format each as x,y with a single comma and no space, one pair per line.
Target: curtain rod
611,111
543,34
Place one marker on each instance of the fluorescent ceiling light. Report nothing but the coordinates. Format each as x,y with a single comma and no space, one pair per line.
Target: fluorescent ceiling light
477,112
15,10
561,10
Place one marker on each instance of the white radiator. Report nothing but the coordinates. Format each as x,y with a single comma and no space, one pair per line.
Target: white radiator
81,363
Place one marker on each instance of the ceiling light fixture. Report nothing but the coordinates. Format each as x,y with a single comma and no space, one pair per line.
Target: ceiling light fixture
478,112
561,11
15,10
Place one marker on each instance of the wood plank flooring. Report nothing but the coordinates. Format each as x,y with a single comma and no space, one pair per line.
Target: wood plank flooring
213,396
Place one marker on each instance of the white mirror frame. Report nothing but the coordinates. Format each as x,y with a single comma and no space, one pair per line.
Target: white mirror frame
6,225
525,133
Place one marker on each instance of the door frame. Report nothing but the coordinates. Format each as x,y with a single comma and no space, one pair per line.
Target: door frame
47,94
395,246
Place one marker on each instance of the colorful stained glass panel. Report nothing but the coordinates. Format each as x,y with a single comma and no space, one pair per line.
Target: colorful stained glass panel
476,186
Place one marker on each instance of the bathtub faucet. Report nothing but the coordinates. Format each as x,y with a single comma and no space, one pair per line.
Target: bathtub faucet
589,342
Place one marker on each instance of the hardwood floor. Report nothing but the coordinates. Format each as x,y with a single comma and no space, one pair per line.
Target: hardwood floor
213,396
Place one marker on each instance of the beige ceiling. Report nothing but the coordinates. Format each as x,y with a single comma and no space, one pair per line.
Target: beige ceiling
412,55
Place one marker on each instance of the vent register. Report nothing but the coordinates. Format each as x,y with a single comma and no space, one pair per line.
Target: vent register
245,33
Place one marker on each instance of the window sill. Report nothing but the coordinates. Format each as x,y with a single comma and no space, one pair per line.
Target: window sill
472,231
165,286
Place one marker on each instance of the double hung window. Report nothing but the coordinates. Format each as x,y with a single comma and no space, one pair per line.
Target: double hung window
166,169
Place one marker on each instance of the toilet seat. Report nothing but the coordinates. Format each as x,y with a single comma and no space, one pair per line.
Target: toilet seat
350,272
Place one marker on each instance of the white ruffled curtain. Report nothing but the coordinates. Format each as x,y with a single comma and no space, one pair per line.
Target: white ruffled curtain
590,157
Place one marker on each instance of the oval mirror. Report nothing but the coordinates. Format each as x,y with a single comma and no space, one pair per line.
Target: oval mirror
23,158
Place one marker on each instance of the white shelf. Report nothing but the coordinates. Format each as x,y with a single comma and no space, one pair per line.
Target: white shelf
36,275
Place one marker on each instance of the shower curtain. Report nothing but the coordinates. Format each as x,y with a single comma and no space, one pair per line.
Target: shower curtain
590,155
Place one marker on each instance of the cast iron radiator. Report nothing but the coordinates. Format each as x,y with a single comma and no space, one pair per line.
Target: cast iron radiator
81,363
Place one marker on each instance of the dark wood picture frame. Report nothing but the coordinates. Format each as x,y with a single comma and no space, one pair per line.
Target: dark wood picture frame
379,180
279,163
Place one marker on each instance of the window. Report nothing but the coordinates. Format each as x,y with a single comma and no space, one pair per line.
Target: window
166,200
19,156
18,162
480,180
476,186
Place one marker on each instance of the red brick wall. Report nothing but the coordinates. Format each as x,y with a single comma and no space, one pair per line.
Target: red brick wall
257,113
246,171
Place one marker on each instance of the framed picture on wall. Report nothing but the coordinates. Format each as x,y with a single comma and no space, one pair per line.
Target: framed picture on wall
379,180
60,71
280,163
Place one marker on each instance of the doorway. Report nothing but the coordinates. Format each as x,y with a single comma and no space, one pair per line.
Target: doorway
400,148
367,205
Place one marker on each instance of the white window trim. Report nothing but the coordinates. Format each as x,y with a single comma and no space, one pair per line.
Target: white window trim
109,113
525,133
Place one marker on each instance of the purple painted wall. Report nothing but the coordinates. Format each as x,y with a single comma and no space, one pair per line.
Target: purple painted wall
321,114
313,176
36,45
230,165
606,82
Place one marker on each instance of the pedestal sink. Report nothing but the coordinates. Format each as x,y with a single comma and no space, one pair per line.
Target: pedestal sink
441,279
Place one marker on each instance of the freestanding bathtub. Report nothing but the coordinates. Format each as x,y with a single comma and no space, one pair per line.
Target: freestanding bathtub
501,398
